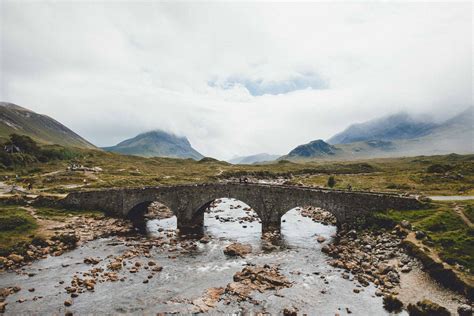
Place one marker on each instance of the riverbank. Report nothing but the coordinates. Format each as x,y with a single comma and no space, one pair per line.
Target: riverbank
164,273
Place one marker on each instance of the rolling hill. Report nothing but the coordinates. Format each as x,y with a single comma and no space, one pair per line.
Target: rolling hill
15,119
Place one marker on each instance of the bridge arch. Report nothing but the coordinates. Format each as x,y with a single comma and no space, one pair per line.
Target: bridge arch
270,202
146,210
195,223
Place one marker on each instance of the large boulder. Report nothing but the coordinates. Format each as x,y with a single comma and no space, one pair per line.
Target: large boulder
238,249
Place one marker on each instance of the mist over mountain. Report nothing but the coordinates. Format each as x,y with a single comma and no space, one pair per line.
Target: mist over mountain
156,143
393,136
393,127
15,119
245,160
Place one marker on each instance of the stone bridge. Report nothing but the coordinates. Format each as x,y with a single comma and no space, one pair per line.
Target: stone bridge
270,202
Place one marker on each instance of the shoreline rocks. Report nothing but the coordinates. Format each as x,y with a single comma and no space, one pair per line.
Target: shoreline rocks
238,249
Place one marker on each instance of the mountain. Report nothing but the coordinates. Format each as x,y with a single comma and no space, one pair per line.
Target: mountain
42,128
315,149
247,160
393,127
156,144
454,135
393,136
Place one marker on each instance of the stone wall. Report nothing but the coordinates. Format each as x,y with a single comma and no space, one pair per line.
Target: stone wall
270,202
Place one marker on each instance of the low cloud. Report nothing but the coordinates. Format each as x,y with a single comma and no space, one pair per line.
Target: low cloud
235,78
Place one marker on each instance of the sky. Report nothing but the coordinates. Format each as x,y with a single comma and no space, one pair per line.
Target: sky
236,78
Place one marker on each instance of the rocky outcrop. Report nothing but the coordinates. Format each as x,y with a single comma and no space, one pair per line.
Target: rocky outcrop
238,249
257,278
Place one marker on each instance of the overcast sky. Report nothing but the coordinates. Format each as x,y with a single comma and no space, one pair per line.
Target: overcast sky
235,78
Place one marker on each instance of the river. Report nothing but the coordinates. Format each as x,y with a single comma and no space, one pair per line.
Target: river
317,287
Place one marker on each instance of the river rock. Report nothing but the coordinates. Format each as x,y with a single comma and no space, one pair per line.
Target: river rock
3,306
420,234
290,311
256,278
238,249
320,239
91,260
427,308
115,265
392,304
205,240
405,224
16,258
465,310
209,299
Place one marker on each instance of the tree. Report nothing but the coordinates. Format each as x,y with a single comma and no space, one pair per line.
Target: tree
331,181
24,143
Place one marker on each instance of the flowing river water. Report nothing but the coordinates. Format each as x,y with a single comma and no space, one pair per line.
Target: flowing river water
317,289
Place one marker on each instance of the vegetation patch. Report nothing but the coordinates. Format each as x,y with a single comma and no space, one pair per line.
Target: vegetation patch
16,226
446,231
57,213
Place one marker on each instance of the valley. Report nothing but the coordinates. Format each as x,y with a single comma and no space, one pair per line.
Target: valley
64,256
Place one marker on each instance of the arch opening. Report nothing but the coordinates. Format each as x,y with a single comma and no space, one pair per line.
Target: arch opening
229,218
152,218
307,223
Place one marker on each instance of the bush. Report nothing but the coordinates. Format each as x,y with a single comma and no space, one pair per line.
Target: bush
398,186
11,222
439,168
24,143
31,152
331,182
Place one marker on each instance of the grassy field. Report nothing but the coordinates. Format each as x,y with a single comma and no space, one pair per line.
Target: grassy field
430,175
427,175
16,226
452,238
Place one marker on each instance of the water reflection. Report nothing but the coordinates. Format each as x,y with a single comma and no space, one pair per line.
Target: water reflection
301,232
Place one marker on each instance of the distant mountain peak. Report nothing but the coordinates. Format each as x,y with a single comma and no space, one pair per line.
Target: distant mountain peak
400,134
393,127
315,148
157,143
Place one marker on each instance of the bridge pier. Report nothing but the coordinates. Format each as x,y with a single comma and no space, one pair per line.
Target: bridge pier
271,227
191,227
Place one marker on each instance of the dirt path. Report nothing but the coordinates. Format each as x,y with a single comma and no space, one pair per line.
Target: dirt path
46,227
460,211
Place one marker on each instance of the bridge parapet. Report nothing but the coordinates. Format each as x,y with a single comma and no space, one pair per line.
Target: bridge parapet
270,202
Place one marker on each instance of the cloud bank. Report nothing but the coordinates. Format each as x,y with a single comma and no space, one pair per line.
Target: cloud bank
235,78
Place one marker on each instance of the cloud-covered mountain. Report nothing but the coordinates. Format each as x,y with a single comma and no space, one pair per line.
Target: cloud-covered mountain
392,136
246,160
15,119
157,144
393,127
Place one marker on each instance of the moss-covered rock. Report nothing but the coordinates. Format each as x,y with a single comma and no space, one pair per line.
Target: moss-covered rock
427,308
392,304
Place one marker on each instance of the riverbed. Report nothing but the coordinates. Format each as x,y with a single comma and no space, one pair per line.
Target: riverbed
317,288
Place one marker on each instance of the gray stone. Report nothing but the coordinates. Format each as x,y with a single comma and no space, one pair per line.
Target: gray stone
271,202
